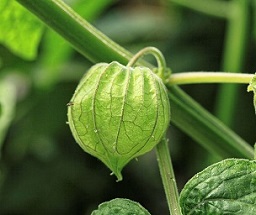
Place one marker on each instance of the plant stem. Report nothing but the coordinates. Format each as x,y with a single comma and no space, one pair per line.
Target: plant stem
209,77
83,36
204,128
161,71
168,178
188,115
149,50
235,49
97,47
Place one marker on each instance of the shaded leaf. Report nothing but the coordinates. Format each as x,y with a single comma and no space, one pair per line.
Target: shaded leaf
120,207
227,187
20,31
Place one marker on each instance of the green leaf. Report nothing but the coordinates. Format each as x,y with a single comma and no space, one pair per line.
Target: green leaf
227,187
252,87
20,31
120,207
7,106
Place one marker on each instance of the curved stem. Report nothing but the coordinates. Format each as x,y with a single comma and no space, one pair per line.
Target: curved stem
149,50
168,178
209,77
161,70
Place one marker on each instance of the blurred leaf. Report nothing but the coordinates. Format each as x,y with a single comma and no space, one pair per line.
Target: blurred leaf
120,206
7,106
227,187
20,31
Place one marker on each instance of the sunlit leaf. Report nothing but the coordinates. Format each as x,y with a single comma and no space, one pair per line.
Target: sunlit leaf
20,31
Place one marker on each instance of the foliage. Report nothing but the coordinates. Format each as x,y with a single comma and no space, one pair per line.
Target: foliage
22,31
42,171
227,187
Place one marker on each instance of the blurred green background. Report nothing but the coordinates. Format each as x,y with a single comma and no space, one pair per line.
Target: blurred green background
43,170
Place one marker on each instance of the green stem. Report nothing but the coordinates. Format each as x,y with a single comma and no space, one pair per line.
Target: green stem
204,128
149,50
189,116
217,8
209,77
162,72
84,37
235,48
97,47
168,178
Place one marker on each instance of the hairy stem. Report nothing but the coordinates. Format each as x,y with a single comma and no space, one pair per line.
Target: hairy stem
162,71
97,47
149,50
204,128
209,77
82,35
168,178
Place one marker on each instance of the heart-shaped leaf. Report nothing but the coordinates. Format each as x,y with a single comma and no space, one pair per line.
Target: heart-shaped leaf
227,187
